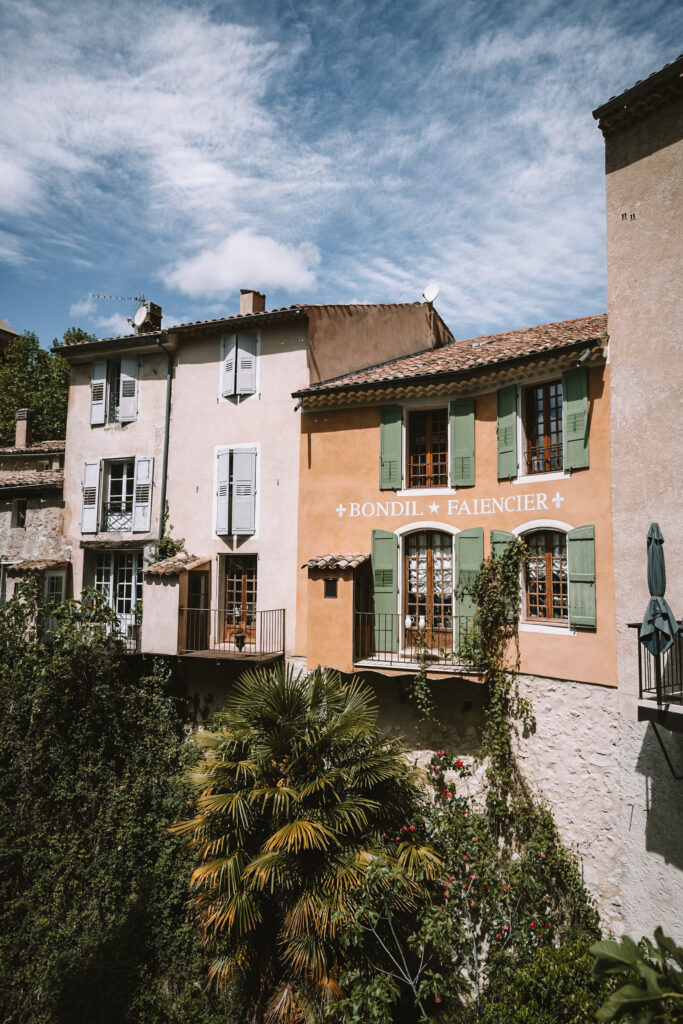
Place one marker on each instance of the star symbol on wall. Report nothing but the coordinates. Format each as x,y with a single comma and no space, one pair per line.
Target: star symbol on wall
434,508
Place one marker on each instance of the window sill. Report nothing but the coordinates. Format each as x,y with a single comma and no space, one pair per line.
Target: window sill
546,627
530,478
415,492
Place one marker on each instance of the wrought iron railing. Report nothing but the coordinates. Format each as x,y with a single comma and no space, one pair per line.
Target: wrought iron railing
392,639
660,676
117,515
223,630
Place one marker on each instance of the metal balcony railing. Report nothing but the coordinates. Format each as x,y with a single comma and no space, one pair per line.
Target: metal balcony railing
224,631
117,515
396,640
660,676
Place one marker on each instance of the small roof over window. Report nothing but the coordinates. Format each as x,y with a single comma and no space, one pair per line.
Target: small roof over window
348,561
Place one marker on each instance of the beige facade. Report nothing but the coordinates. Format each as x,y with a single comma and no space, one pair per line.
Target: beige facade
643,131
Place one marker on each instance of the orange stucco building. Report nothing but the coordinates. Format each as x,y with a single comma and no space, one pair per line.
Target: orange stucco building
413,469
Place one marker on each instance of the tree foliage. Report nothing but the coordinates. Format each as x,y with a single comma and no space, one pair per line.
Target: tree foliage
33,378
93,917
292,796
654,979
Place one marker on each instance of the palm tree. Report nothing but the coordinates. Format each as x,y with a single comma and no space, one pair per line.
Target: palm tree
294,797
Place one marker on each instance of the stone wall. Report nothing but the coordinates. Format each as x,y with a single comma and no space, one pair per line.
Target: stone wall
40,536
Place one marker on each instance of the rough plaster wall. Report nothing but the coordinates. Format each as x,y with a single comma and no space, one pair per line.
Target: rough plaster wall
651,827
572,761
41,536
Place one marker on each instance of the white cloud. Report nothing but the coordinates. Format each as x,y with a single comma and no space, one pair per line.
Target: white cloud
113,326
244,259
84,307
12,249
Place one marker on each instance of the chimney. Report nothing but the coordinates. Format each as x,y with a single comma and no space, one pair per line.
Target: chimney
150,322
251,301
23,435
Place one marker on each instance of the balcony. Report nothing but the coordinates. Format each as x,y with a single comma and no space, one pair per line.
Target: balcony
223,633
392,641
660,683
117,516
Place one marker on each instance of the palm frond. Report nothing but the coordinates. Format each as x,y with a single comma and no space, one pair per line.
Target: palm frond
301,835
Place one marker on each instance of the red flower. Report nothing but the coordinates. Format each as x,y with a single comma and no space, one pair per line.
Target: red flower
506,888
464,814
398,839
459,764
505,928
486,885
445,792
498,935
474,839
464,885
437,999
533,924
412,828
440,753
471,903
547,925
543,855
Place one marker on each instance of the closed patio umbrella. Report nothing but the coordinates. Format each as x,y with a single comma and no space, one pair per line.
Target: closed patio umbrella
659,627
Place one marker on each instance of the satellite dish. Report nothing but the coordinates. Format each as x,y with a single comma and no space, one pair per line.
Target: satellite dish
430,292
140,316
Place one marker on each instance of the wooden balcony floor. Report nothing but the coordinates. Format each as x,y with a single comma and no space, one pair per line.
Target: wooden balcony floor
233,655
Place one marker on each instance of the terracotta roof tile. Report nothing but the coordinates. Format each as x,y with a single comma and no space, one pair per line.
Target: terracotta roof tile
473,353
41,448
176,564
336,561
37,565
32,478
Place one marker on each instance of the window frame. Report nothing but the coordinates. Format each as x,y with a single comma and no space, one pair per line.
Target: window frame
128,479
236,398
230,450
19,513
525,393
561,622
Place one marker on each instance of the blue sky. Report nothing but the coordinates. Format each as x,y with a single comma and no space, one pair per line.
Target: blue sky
319,151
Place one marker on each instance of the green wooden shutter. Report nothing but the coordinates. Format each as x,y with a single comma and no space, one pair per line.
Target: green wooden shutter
390,456
581,566
499,541
469,554
384,562
507,432
575,418
461,442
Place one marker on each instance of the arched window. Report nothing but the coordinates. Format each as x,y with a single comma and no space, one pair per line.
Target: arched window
547,578
428,602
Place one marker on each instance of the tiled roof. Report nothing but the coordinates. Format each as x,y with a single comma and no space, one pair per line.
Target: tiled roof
41,448
6,329
32,478
176,564
472,354
645,96
336,561
37,565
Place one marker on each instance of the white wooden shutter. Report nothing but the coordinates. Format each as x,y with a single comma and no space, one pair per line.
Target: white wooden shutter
228,356
91,495
128,390
223,493
243,491
142,494
98,393
246,364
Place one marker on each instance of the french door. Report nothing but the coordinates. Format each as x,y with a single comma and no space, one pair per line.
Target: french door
428,589
240,600
118,576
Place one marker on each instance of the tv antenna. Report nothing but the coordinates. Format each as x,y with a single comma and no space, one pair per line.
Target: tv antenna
119,298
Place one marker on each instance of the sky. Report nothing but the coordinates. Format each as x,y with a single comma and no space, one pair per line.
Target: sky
318,151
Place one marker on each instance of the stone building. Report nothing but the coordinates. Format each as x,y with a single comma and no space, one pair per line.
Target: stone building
643,130
31,481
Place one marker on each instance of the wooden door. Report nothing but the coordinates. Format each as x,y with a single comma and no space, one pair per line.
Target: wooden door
428,587
240,601
198,611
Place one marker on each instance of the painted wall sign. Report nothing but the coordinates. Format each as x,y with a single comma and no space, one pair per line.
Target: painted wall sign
452,507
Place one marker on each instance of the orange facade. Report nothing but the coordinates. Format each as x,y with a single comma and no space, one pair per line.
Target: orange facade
341,504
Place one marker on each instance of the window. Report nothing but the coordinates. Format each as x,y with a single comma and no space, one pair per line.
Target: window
127,495
428,448
240,600
238,364
54,587
543,426
118,577
114,391
20,506
331,588
117,509
429,586
236,492
547,591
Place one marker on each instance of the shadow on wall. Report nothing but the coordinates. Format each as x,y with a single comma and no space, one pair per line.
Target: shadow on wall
664,795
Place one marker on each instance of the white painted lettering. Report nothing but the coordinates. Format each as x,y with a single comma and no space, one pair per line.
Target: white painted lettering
529,502
368,510
508,507
453,506
519,502
396,508
355,508
464,509
497,504
486,506
541,502
382,510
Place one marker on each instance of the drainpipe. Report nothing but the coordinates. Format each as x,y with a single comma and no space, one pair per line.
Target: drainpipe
167,424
